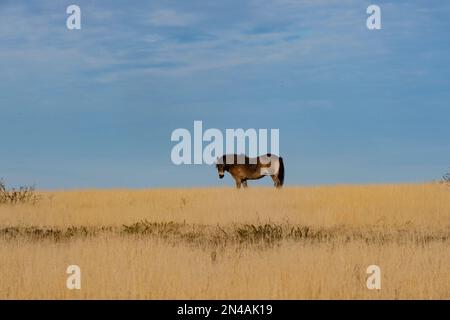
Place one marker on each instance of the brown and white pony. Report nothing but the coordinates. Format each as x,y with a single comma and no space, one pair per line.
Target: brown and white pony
243,168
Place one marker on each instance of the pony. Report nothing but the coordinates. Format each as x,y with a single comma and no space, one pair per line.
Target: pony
243,168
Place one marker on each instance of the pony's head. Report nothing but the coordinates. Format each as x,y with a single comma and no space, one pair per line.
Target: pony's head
220,165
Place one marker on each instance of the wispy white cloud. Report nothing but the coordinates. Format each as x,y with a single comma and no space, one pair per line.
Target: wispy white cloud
171,18
111,48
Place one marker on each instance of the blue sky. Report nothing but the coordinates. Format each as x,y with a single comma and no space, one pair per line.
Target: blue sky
96,107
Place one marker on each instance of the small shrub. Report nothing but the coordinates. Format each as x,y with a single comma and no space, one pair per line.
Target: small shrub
25,194
446,179
266,233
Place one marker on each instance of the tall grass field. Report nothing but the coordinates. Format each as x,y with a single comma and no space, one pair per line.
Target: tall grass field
222,243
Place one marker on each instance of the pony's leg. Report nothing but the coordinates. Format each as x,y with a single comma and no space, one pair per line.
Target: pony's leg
244,183
276,181
238,183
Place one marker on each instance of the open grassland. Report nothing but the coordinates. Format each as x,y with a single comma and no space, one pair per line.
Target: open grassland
259,243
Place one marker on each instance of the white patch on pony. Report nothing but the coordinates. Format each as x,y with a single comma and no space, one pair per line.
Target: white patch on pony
274,165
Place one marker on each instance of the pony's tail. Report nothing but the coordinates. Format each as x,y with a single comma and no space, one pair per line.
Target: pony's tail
281,171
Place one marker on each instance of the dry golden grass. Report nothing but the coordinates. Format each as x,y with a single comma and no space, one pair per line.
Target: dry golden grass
260,243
